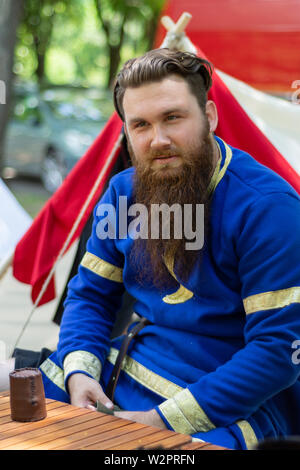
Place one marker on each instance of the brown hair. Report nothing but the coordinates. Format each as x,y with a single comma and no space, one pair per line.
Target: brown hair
156,65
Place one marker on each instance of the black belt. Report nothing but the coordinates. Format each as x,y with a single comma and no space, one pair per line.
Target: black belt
112,383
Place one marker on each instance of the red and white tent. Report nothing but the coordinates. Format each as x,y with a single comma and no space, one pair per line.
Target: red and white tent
256,41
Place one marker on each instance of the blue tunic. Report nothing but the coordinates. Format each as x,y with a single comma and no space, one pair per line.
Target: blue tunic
219,360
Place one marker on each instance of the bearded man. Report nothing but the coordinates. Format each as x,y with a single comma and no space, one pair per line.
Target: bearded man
213,354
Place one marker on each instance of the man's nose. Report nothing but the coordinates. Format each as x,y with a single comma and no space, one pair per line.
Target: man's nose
160,138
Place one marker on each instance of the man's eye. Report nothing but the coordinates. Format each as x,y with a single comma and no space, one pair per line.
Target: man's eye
140,124
172,117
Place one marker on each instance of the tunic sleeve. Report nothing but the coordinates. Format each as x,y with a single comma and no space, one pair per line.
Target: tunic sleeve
94,297
268,250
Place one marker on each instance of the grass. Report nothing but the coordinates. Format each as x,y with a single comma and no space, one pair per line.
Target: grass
29,193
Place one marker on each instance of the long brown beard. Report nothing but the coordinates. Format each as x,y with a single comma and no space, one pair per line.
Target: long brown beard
188,185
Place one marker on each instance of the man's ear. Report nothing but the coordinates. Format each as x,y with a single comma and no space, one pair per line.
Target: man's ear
212,115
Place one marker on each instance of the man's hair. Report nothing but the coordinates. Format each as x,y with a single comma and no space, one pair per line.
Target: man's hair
159,64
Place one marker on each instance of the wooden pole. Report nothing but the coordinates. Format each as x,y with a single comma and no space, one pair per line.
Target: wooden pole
178,27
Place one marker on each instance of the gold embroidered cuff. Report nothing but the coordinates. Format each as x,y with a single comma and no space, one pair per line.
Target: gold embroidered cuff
102,268
54,373
185,415
273,299
248,434
85,361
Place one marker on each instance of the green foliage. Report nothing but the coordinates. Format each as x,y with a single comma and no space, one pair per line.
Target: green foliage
127,23
36,31
82,41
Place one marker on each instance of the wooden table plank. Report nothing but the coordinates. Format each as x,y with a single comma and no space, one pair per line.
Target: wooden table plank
64,421
157,438
5,402
109,442
85,431
106,434
60,432
5,420
68,427
52,416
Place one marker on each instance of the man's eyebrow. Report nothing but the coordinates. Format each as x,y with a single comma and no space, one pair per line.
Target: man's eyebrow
175,110
164,113
135,120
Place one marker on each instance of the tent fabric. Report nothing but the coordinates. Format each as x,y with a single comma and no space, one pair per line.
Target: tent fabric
256,41
238,130
278,119
37,251
14,222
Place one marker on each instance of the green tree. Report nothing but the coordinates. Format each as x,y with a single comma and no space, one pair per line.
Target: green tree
82,41
116,17
36,29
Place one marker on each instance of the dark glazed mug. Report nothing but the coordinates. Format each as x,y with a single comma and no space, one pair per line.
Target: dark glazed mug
27,395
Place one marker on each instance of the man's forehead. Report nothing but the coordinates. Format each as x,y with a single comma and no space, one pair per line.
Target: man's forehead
169,93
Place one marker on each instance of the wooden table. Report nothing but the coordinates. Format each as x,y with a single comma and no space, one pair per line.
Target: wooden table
70,427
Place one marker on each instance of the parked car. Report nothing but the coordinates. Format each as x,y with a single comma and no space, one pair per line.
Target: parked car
50,131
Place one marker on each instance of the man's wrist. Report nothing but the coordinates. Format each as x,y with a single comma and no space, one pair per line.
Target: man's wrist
73,378
156,419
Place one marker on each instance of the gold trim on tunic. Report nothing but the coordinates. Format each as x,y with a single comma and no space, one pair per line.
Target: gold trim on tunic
180,409
102,268
218,174
185,415
154,382
213,181
182,294
85,361
248,434
54,373
178,297
228,157
176,417
273,299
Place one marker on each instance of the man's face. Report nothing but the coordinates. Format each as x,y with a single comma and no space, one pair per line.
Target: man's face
164,125
172,149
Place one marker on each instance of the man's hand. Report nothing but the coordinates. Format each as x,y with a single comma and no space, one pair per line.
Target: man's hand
85,391
151,417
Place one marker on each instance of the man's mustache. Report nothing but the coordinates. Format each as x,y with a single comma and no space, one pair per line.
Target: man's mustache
163,153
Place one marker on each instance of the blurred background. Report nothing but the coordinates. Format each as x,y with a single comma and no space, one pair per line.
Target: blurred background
58,60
